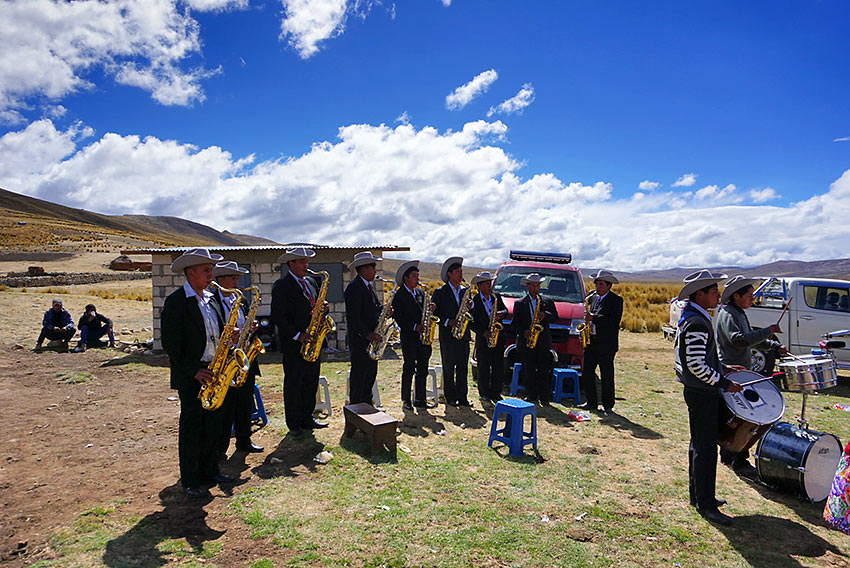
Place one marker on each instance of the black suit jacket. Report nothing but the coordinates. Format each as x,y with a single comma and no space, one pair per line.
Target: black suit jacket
481,321
291,309
522,321
607,318
407,310
184,337
362,310
447,307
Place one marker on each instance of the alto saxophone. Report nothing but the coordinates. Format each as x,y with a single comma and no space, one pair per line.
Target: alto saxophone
250,347
213,393
319,325
495,327
535,328
429,320
463,316
583,328
387,328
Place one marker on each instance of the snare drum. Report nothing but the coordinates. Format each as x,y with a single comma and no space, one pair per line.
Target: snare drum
797,460
808,373
750,413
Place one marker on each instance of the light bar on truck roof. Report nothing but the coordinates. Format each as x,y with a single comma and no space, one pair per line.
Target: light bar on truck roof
531,256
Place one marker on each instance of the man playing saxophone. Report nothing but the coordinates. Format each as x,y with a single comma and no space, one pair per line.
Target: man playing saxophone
294,298
454,351
190,334
238,403
603,317
408,308
531,318
362,309
488,310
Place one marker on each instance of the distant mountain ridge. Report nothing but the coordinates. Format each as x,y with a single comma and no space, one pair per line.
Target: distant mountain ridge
157,228
835,268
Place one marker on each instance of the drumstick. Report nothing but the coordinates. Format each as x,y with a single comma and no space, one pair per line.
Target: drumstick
761,380
785,309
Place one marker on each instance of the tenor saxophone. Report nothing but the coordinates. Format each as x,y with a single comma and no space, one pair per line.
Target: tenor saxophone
320,324
429,320
386,329
251,347
535,328
213,393
463,316
495,327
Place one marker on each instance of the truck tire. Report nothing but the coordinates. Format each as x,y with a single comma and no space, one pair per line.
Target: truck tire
763,362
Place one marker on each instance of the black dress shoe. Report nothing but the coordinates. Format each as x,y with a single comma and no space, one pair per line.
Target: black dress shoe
424,404
407,405
715,516
453,403
744,469
315,424
251,448
496,398
464,403
717,502
196,492
220,478
545,403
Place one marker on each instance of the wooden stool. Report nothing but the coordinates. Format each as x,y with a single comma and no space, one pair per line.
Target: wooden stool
378,426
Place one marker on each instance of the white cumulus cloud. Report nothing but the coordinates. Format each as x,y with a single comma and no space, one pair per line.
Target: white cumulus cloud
647,185
515,104
687,180
763,195
464,94
309,22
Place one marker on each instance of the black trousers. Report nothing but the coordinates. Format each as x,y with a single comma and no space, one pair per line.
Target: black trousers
416,357
704,421
197,438
236,412
593,357
64,335
300,382
364,369
491,368
454,355
537,370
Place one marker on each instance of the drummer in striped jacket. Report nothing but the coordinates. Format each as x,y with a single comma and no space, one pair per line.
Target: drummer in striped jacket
735,338
699,369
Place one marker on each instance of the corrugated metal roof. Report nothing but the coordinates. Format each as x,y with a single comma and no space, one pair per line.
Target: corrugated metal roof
267,247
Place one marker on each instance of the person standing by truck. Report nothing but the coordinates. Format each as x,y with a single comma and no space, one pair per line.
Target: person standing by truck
603,316
735,338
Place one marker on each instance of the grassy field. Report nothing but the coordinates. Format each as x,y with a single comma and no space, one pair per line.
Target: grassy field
607,492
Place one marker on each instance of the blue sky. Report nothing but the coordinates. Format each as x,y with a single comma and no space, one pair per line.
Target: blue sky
635,135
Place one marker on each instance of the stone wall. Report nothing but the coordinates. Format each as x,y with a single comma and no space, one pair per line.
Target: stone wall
22,280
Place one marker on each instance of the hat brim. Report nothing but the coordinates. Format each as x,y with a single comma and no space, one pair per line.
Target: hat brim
479,279
525,281
444,270
364,261
695,285
287,256
738,285
405,266
609,278
227,271
183,262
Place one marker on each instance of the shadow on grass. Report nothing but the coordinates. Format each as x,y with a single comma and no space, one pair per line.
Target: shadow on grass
810,512
359,445
466,415
292,457
768,542
619,422
181,517
842,388
504,451
156,360
420,423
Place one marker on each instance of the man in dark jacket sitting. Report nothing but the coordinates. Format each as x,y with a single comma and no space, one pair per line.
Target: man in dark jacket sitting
56,324
93,326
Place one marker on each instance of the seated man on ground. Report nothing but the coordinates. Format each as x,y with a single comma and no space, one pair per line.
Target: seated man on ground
56,324
93,326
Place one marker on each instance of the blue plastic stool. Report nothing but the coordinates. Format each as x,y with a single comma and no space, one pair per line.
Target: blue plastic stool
258,411
558,391
513,433
515,386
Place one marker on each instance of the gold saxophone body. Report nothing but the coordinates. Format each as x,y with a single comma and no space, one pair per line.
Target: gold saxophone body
495,326
429,320
225,361
535,328
320,324
583,328
387,328
250,347
463,316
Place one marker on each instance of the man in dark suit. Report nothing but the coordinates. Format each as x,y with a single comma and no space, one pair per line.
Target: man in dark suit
294,298
362,309
603,317
537,361
238,403
191,326
490,359
408,303
454,352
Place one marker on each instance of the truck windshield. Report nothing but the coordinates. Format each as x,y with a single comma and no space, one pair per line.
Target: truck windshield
560,285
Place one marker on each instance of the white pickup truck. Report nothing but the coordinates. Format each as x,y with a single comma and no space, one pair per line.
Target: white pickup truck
817,306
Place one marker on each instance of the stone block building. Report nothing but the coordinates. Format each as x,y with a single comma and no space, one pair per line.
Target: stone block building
264,269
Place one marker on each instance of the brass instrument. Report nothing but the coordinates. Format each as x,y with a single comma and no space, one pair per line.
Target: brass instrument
463,316
387,328
535,328
213,393
583,328
250,347
320,324
429,320
495,327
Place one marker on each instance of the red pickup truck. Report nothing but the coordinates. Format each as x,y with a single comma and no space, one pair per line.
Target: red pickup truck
563,284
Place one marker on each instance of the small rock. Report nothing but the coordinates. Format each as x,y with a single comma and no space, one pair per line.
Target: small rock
89,445
18,347
580,517
463,425
173,398
544,519
323,457
658,415
441,433
404,448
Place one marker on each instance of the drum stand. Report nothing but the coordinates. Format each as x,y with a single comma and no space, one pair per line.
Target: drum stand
801,421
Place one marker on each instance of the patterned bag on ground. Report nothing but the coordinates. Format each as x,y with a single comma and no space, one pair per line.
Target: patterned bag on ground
837,509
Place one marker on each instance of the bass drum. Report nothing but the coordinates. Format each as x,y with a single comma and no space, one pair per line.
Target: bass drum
748,414
797,460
